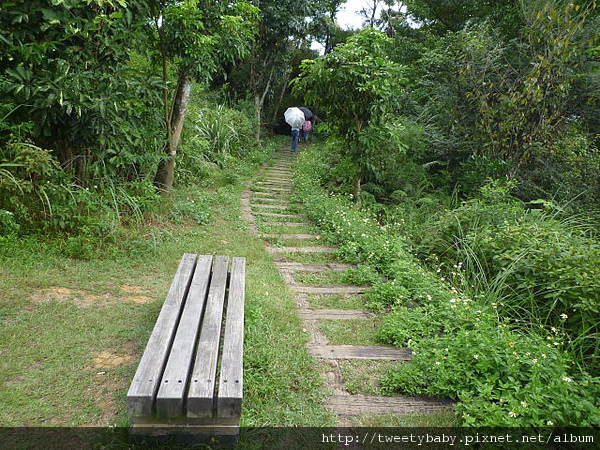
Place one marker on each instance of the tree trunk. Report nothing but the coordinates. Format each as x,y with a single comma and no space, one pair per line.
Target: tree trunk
259,100
280,100
166,169
257,114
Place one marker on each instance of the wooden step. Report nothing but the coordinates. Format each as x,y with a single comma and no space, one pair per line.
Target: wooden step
358,405
278,207
335,314
291,236
291,216
272,189
359,352
274,183
301,249
288,224
304,267
328,289
272,195
270,200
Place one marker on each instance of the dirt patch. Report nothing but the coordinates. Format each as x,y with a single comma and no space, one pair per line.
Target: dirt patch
78,297
140,299
108,360
84,299
132,289
137,294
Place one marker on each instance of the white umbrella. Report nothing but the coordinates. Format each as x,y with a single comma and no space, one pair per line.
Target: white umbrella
294,117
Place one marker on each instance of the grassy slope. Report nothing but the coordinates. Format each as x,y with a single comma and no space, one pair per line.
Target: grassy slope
65,323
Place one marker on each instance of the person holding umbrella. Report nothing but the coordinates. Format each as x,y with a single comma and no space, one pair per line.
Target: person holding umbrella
294,118
307,125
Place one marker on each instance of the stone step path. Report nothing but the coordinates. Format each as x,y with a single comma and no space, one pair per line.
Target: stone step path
270,192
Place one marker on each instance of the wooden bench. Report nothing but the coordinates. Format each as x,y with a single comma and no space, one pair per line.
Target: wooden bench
189,380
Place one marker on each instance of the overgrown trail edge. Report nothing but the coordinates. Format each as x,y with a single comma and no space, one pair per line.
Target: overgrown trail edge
266,206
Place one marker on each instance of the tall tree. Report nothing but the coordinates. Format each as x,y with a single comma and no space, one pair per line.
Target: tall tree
353,86
198,38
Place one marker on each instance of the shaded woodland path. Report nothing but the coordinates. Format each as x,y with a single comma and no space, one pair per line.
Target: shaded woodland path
269,212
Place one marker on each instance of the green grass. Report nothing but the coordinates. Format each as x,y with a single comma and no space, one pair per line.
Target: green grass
440,419
350,332
285,242
311,258
266,227
336,301
329,277
362,377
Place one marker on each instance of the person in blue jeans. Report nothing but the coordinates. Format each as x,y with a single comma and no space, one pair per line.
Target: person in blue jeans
295,138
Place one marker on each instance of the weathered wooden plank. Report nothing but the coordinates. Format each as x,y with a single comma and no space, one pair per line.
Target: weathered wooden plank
305,267
274,183
301,249
260,200
291,236
287,224
202,382
277,178
269,206
143,388
325,289
229,402
272,189
174,383
291,216
359,352
341,314
357,405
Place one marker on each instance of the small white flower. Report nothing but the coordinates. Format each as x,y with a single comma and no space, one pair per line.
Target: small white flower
567,379
549,423
564,316
512,414
476,356
525,404
437,363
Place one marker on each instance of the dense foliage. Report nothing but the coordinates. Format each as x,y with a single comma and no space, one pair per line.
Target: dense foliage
483,237
92,104
510,359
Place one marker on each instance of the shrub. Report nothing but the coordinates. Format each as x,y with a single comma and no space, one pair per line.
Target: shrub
502,376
